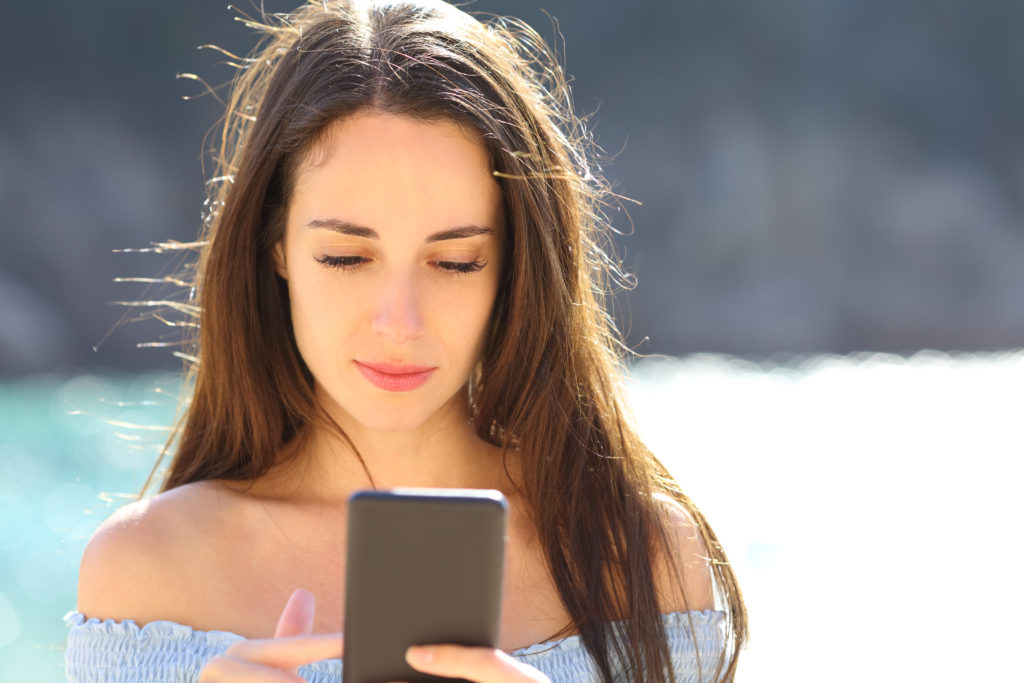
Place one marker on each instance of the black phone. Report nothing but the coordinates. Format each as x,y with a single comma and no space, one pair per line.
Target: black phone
424,566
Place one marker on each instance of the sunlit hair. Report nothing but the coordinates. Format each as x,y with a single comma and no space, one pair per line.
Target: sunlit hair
549,383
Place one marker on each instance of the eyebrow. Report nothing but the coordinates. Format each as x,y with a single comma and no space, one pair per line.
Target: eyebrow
346,228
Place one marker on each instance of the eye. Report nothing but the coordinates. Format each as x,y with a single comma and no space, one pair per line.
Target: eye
343,262
460,267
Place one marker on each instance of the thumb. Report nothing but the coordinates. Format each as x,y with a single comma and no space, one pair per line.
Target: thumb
297,616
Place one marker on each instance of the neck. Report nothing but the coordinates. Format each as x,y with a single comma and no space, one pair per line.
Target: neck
443,452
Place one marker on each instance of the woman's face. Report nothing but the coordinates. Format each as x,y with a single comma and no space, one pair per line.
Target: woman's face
391,254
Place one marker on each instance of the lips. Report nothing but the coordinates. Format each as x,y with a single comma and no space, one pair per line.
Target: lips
395,376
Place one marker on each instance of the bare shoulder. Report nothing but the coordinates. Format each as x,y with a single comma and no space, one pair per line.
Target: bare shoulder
683,575
139,561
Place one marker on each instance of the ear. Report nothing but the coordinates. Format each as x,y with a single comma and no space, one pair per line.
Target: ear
280,265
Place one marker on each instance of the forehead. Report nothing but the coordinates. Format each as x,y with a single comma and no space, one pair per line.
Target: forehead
379,163
368,130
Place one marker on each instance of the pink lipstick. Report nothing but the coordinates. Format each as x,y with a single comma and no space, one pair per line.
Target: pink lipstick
395,376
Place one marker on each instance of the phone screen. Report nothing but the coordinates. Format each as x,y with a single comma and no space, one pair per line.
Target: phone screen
423,566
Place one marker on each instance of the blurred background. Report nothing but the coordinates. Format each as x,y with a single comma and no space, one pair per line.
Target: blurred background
815,175
829,252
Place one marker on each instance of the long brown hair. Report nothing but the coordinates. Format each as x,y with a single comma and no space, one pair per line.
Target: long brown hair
548,384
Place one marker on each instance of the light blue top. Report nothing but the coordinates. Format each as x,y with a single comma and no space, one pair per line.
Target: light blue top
167,652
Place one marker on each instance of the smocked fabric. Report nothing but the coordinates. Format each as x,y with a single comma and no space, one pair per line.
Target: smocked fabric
167,652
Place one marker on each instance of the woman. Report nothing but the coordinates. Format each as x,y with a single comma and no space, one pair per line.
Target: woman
401,284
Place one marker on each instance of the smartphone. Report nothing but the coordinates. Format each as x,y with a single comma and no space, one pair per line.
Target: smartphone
424,566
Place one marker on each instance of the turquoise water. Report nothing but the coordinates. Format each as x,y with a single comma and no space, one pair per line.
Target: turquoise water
71,450
869,504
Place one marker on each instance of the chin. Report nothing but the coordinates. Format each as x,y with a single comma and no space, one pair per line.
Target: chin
400,413
390,421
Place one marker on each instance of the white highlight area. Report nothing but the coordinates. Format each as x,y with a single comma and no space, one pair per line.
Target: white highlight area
870,505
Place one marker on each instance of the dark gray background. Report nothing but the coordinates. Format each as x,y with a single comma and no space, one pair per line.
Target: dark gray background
815,175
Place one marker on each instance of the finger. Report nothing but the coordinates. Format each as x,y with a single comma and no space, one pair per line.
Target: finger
287,653
480,664
225,669
297,615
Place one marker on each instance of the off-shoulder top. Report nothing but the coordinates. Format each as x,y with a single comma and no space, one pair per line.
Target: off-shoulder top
168,652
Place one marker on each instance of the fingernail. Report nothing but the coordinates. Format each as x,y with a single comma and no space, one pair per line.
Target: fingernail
419,654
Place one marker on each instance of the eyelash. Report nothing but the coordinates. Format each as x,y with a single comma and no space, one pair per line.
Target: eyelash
460,267
448,267
342,262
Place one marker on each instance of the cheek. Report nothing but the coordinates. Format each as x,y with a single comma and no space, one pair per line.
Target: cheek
321,315
468,317
303,322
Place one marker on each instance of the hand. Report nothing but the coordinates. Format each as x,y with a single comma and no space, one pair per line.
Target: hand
480,664
276,659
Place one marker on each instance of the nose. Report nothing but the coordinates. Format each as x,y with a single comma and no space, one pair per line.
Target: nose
397,316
